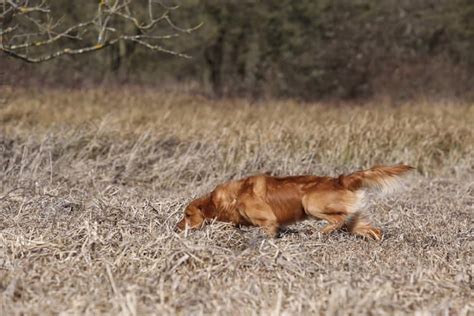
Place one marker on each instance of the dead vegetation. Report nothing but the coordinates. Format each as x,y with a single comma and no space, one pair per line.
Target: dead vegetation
93,182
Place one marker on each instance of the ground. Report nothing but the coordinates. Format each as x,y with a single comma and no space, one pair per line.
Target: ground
93,182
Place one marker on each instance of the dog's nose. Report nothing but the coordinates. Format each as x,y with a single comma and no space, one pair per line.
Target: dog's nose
180,226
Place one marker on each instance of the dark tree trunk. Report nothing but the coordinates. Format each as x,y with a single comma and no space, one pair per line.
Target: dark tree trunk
214,55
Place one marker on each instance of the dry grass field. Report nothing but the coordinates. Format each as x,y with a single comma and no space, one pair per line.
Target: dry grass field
92,183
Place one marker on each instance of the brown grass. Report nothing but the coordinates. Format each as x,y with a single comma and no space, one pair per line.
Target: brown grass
92,183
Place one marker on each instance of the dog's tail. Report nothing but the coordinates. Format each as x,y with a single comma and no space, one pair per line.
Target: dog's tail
384,178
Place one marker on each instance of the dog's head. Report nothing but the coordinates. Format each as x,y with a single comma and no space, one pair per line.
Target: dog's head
196,213
193,218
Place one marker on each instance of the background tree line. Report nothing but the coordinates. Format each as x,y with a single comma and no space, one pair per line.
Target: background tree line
307,49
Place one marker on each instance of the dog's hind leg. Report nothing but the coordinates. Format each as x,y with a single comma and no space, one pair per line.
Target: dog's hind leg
335,222
341,210
335,217
326,206
357,224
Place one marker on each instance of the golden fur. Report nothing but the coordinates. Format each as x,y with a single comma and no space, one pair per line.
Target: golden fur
270,202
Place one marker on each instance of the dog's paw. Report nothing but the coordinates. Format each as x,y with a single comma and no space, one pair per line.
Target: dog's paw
371,233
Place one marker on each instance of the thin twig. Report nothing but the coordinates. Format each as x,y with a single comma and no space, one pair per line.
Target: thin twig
106,28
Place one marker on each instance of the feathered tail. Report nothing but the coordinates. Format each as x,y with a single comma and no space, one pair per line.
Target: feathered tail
384,178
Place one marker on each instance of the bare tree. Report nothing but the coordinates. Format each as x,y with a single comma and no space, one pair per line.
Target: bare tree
34,30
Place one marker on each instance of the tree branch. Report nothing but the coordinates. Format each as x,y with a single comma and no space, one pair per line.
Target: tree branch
29,32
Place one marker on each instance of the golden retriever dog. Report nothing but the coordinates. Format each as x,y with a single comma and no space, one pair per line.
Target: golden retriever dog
270,202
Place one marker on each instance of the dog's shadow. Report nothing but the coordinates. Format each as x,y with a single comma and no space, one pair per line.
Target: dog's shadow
286,231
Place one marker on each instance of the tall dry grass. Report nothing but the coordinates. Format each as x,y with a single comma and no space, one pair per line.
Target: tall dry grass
92,183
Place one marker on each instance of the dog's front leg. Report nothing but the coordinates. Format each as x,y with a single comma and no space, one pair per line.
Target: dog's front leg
259,213
266,220
272,229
